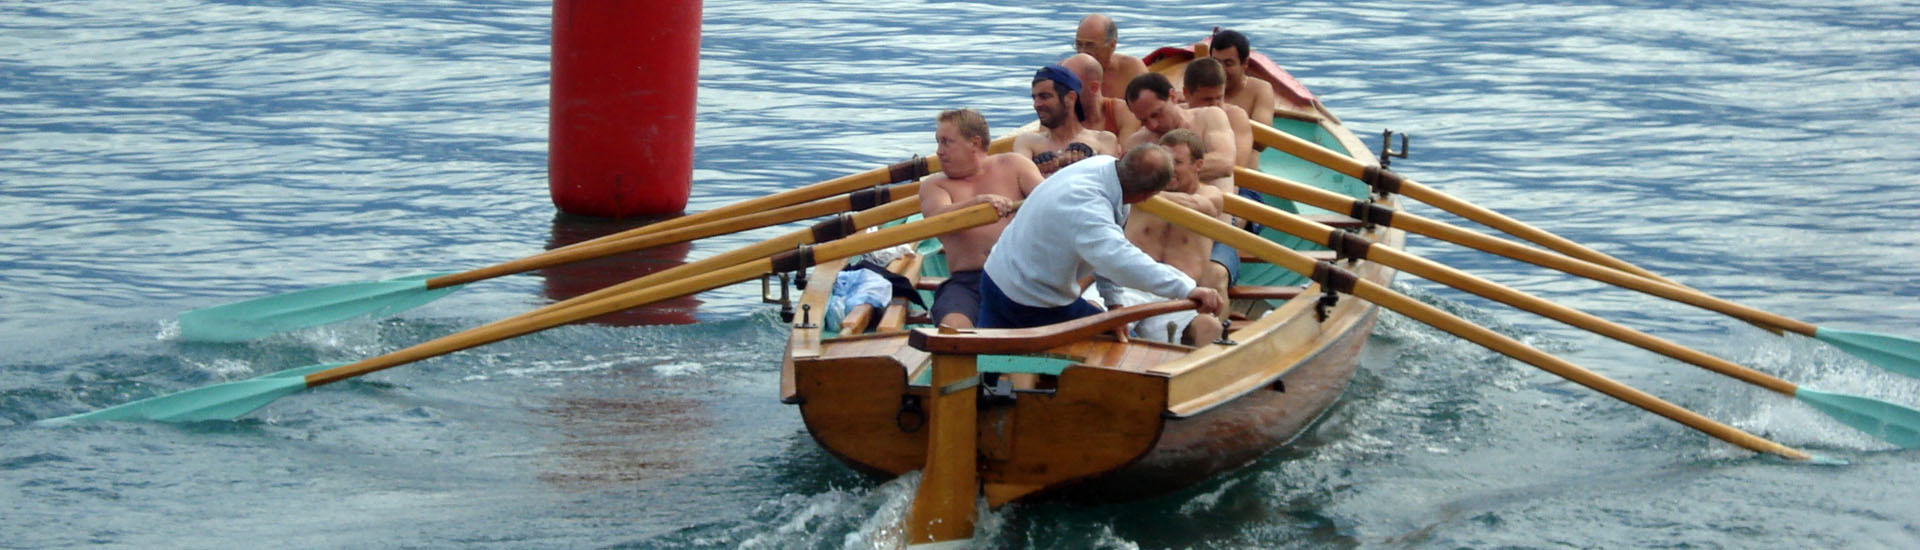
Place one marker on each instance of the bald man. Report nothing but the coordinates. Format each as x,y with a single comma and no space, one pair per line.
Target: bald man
1098,36
1103,112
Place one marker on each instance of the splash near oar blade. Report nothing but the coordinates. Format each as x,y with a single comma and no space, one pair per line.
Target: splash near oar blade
223,401
259,317
1894,353
1889,422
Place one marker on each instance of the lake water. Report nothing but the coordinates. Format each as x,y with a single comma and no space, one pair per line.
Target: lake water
161,156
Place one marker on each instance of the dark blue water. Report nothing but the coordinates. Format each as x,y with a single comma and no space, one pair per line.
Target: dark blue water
162,156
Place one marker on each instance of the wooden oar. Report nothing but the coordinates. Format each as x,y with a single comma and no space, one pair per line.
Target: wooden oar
1887,421
230,400
1894,353
900,171
1330,276
825,231
897,172
259,317
1386,181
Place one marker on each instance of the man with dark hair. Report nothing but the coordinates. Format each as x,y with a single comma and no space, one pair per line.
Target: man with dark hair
1205,86
1104,112
1255,95
969,177
1099,37
1072,227
1150,98
1176,246
1056,101
1147,97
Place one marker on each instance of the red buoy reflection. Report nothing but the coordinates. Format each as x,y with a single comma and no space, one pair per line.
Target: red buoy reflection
568,281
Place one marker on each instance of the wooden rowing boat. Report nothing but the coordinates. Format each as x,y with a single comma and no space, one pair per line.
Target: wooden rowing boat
1102,419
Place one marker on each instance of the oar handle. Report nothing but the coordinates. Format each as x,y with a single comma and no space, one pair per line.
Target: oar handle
1342,281
562,313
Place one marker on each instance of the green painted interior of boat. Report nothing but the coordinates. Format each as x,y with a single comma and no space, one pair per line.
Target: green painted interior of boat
1009,364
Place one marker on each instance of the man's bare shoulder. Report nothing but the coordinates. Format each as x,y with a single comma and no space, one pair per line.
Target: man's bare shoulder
1009,160
1103,141
938,179
1139,137
1235,113
1128,65
1261,88
1210,119
1029,142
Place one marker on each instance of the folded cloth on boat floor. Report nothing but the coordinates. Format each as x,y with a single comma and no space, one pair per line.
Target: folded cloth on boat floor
1165,327
868,284
855,287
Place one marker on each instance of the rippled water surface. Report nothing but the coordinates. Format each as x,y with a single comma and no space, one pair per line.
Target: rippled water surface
161,156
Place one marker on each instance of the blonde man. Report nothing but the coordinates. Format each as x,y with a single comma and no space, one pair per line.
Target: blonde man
970,176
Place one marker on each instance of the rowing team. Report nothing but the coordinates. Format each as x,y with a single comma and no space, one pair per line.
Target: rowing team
1073,228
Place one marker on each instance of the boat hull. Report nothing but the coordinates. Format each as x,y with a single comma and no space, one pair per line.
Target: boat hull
1120,420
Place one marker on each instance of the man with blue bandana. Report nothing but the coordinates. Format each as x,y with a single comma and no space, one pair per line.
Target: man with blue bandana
1056,101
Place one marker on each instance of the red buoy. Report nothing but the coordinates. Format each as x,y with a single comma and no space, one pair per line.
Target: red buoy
620,132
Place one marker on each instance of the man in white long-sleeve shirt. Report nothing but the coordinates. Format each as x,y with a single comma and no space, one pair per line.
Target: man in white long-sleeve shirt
1073,226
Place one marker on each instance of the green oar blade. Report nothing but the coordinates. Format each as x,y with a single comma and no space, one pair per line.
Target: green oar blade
1893,423
1894,353
242,321
223,401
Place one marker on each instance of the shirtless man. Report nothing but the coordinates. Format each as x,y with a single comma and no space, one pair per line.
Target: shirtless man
969,177
1103,113
1099,37
1252,94
1176,246
1148,96
1056,101
1205,86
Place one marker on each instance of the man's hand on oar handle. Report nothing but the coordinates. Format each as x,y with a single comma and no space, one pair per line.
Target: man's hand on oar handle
1208,299
1001,204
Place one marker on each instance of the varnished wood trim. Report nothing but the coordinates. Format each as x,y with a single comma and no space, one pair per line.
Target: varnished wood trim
1030,340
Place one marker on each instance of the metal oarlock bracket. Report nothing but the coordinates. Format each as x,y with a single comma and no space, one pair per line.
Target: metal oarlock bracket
1226,325
1387,152
1328,299
785,300
806,317
800,276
